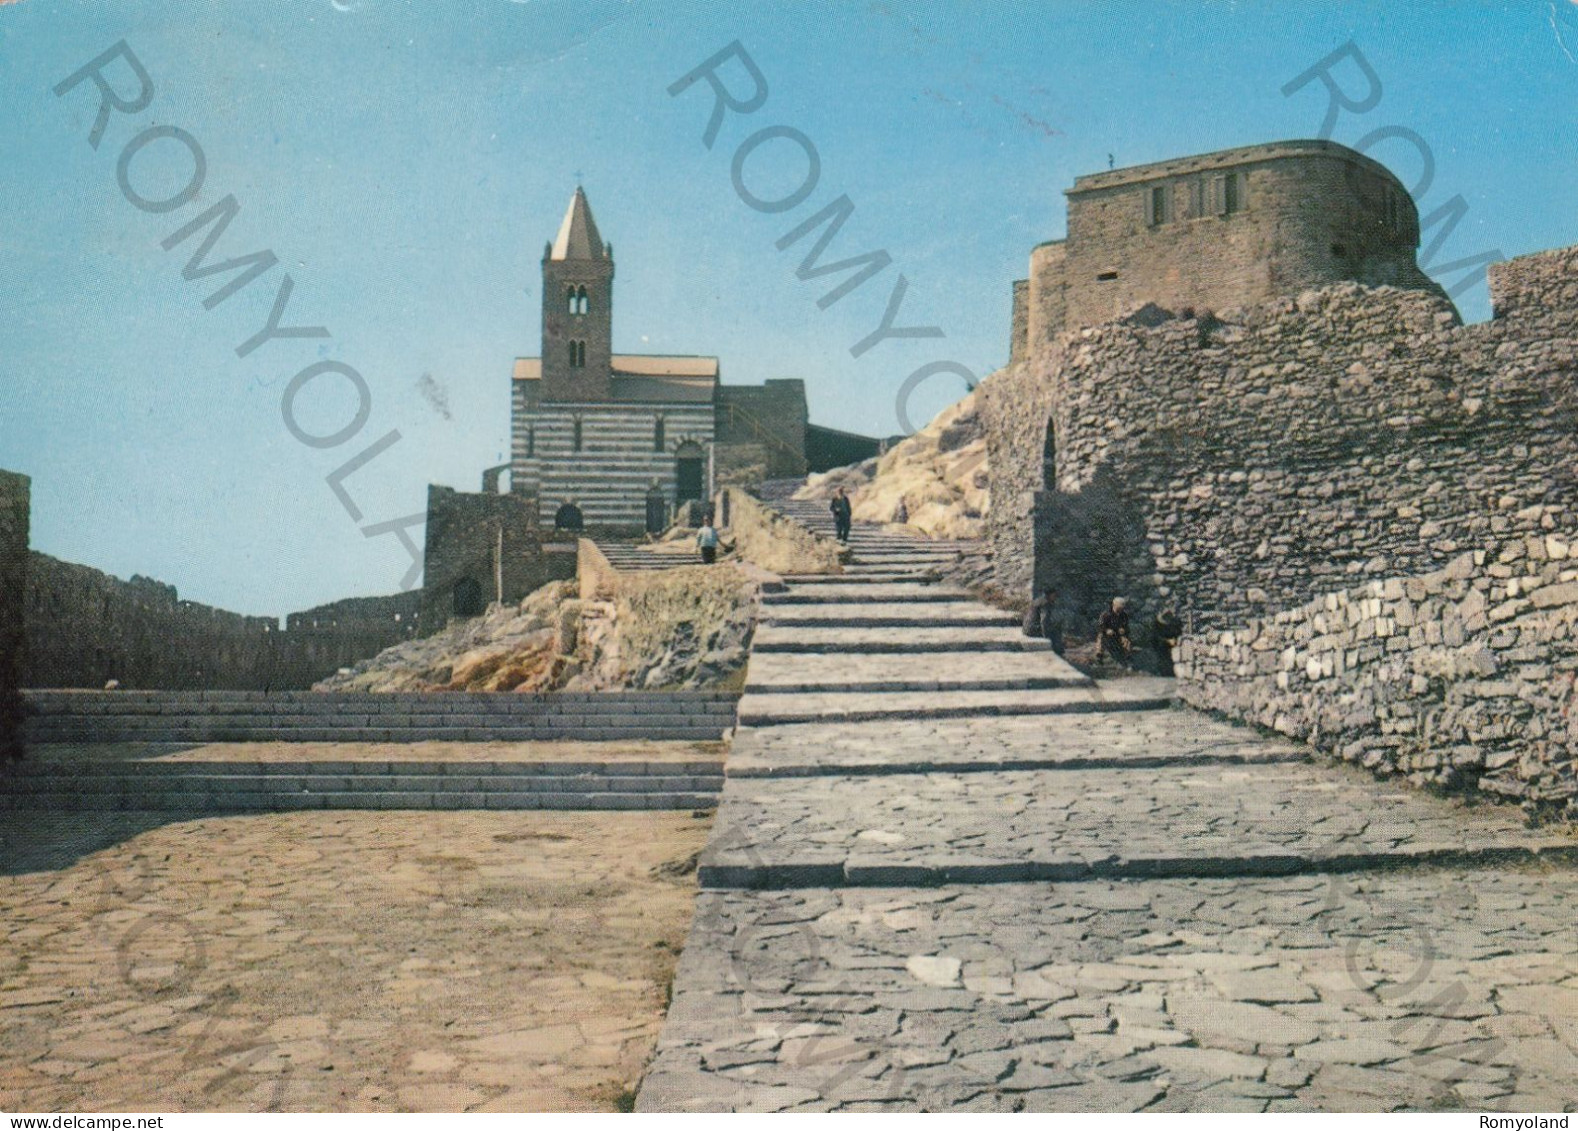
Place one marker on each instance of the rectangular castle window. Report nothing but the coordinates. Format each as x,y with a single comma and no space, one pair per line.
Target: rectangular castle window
1156,206
1227,194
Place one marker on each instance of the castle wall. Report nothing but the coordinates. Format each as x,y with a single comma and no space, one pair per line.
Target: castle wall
15,493
85,628
1461,677
1019,325
772,415
1237,469
1046,296
1222,231
489,542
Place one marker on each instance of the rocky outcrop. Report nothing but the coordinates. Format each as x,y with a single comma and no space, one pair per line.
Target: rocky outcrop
936,482
687,627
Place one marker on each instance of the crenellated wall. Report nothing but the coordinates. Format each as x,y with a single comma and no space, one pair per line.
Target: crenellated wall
85,628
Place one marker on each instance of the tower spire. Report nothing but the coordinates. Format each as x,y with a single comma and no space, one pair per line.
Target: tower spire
578,238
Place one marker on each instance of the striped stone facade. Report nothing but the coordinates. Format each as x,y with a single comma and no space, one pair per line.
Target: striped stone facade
619,460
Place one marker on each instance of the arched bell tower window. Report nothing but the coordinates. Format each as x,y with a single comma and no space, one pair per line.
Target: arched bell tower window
577,355
571,301
583,304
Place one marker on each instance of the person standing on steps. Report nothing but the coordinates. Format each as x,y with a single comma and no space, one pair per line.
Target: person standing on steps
843,514
1113,631
1168,630
707,543
1045,621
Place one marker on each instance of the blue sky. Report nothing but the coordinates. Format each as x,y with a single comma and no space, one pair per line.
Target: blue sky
406,163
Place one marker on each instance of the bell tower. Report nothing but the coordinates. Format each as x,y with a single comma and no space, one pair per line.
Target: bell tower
577,310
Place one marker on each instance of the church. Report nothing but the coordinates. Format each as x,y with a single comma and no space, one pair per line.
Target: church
617,441
607,443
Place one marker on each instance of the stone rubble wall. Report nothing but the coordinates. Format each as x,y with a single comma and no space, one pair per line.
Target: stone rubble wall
15,496
773,542
1463,676
1241,465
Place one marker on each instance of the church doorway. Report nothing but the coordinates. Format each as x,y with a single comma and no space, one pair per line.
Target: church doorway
657,510
689,472
468,597
568,517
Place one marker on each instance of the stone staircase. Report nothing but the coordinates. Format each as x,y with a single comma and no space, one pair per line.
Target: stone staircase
218,787
639,556
888,638
310,716
948,872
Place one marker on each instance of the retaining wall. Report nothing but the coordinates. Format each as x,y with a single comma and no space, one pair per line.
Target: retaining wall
1461,677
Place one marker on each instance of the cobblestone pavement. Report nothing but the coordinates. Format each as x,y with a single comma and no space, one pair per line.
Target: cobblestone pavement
1111,911
337,961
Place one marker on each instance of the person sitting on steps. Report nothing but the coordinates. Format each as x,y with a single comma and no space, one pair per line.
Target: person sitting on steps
1113,631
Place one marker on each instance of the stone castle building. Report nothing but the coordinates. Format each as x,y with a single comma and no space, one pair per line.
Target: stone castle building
1263,414
620,441
1217,232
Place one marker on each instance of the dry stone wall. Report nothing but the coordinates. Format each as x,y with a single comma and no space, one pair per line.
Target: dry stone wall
1463,676
1240,465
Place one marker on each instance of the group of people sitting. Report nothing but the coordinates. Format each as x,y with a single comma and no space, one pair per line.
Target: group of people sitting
1114,632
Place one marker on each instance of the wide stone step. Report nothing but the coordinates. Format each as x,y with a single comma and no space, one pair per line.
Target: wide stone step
876,614
862,578
892,640
893,592
769,709
1099,740
1069,825
784,672
94,731
402,799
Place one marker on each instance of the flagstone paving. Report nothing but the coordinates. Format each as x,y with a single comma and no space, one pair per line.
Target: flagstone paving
1112,910
336,961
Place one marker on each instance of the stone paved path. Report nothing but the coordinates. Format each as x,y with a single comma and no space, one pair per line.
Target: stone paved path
336,961
1120,910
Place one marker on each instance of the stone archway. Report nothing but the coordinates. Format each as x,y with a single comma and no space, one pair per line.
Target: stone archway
468,597
568,517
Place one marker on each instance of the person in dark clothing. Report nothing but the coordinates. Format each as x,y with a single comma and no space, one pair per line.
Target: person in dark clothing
1045,621
1168,630
1113,631
843,514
